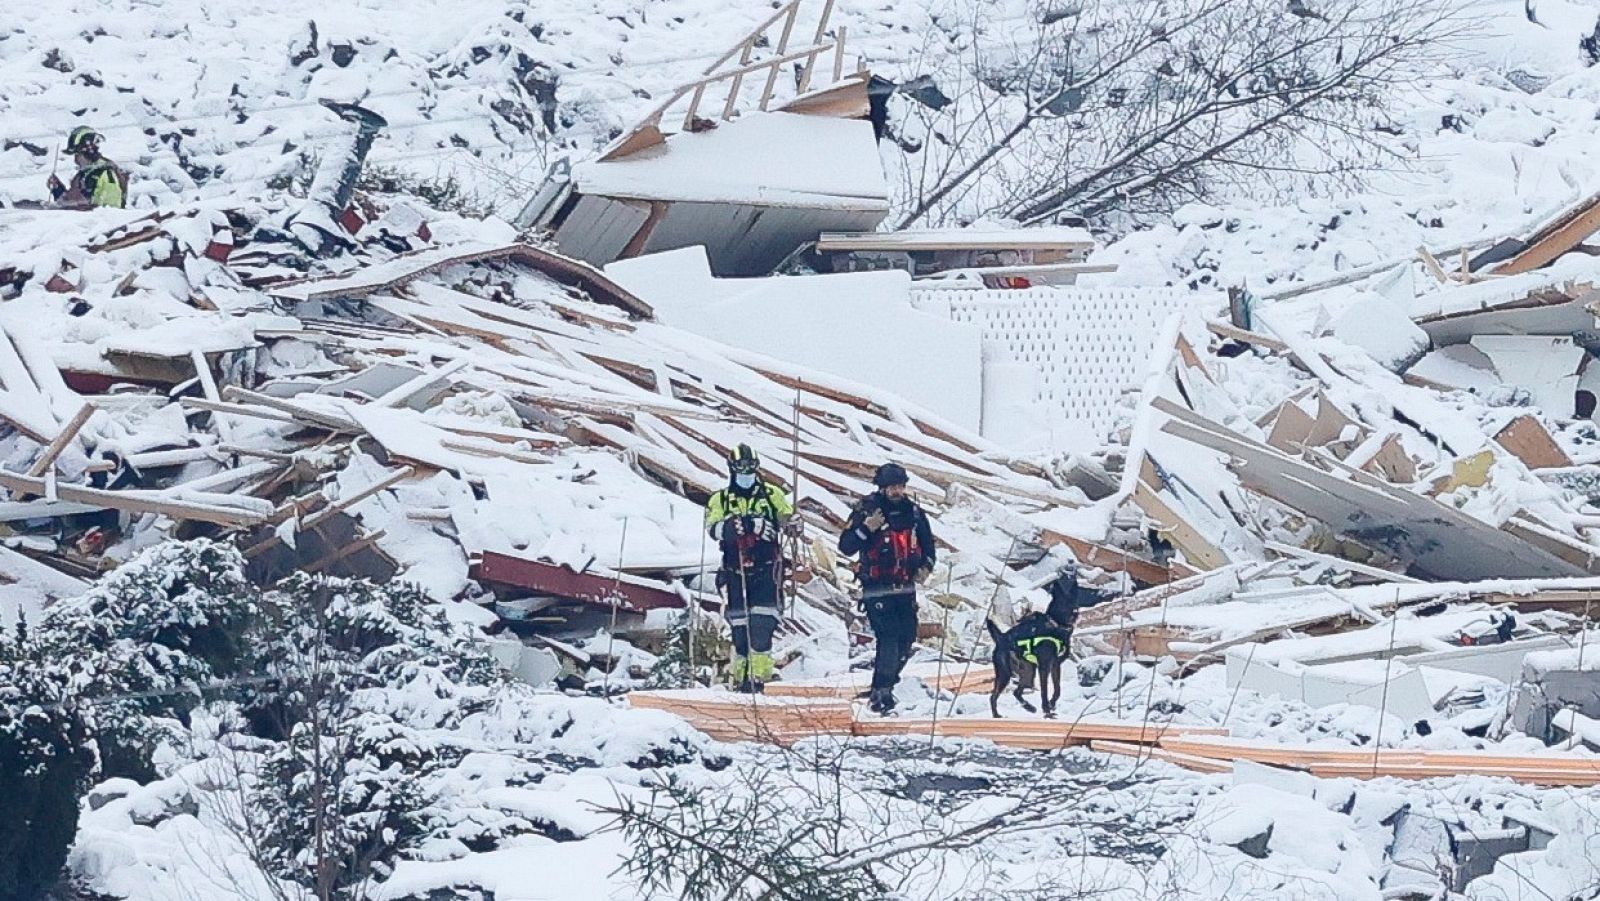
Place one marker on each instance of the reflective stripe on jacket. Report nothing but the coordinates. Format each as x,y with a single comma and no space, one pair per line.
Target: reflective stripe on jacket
101,183
763,501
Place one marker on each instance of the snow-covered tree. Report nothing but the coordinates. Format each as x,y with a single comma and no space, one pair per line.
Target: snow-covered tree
1139,106
45,761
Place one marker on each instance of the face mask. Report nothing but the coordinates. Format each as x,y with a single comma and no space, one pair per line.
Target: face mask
744,479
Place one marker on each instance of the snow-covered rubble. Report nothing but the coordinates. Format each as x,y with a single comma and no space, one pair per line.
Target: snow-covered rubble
1310,514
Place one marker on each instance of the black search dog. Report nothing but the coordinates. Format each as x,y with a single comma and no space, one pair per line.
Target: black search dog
1039,642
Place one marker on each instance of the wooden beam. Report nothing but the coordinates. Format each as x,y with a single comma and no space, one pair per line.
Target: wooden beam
1110,559
1228,330
56,447
1373,571
297,412
196,403
136,501
353,547
345,503
598,589
1431,263
1560,235
1201,551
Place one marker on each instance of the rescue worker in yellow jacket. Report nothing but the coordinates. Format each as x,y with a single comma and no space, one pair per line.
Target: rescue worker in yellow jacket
746,519
98,181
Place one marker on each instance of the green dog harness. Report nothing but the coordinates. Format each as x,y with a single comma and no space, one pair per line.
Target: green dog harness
1028,647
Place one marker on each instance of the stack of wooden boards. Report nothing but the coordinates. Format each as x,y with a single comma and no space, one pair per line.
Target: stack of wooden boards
1366,763
957,678
784,720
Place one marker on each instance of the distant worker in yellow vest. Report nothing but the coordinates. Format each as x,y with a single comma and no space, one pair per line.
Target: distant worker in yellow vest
746,518
98,181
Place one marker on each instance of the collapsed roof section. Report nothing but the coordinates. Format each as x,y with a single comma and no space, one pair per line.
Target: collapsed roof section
750,179
486,419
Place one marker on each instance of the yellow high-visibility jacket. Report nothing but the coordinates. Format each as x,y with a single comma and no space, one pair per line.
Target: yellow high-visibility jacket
763,501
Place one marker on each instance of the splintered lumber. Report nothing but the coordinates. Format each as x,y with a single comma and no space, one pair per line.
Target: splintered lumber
1233,332
730,717
1151,752
197,403
1197,549
332,509
1563,233
222,510
1110,559
407,268
1373,571
55,448
1444,541
321,419
1033,734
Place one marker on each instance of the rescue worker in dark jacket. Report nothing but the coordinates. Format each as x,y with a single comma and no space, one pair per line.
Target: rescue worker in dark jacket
98,181
746,519
891,533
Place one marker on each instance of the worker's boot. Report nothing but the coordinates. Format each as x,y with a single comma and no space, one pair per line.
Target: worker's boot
881,701
739,675
762,669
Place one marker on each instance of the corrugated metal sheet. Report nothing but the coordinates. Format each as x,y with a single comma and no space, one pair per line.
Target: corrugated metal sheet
748,240
598,228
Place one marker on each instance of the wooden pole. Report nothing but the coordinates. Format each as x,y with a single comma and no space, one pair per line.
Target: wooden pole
611,638
1388,664
694,605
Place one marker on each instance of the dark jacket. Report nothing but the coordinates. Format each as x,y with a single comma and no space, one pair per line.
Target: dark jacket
891,556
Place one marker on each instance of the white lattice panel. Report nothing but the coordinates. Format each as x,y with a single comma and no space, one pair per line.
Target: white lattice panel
1079,349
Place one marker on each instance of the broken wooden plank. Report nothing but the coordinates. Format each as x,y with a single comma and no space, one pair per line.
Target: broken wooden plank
222,510
196,403
321,419
345,503
1199,550
630,592
1110,559
409,267
1531,442
1563,233
56,447
1373,571
1245,336
1442,540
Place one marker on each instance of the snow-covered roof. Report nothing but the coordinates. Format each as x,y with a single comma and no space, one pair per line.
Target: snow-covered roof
760,159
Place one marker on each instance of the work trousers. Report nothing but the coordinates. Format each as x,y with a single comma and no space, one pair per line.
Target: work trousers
753,607
893,617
